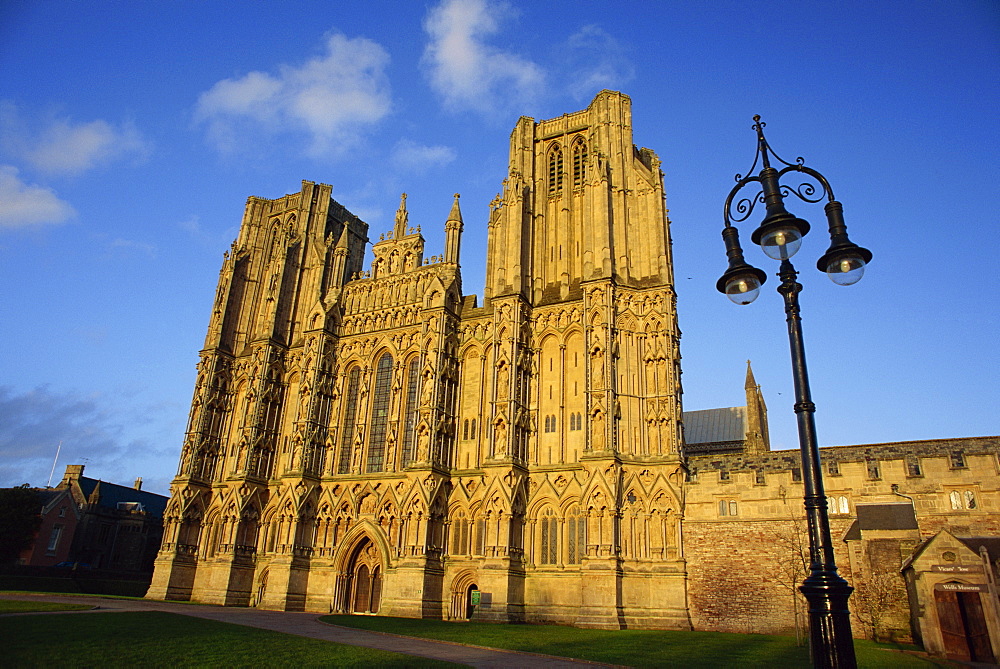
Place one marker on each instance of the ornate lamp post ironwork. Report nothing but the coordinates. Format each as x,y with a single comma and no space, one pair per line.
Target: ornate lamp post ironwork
780,236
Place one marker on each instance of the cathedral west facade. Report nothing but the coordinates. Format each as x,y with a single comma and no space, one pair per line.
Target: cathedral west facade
373,440
369,439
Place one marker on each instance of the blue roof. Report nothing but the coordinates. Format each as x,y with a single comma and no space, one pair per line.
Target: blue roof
710,426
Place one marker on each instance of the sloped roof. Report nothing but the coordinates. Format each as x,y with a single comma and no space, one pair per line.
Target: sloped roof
882,517
714,425
111,494
992,544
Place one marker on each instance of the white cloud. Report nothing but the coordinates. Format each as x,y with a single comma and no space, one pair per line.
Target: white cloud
331,98
130,247
24,205
466,71
596,60
62,146
408,155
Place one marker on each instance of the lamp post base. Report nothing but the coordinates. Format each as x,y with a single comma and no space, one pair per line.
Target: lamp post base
831,643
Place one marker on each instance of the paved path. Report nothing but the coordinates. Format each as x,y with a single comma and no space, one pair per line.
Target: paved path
308,625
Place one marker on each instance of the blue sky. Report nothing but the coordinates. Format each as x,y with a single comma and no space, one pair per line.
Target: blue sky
131,134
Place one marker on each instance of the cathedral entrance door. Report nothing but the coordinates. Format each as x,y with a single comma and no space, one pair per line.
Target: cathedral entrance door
963,626
471,600
365,574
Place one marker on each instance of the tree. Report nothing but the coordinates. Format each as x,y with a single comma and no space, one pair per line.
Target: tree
19,521
875,597
791,543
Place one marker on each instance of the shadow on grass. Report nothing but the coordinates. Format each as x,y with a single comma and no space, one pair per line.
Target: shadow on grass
157,639
636,648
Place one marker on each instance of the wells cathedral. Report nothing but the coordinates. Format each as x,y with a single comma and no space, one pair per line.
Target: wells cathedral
369,439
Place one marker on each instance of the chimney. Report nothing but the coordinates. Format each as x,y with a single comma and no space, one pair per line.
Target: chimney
73,473
138,484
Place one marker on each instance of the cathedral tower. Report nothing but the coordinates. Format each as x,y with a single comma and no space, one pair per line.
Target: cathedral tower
375,441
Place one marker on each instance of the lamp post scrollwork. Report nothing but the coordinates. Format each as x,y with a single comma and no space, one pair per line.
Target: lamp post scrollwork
780,236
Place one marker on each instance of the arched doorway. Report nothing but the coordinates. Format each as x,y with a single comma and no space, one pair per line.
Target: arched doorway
464,597
471,600
363,591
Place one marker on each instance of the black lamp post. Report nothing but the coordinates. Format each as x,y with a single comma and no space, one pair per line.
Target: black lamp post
780,236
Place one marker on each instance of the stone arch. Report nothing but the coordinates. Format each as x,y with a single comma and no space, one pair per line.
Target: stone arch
361,565
462,587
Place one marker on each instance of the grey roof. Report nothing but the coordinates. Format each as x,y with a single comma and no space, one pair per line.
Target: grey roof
992,544
882,517
112,493
714,425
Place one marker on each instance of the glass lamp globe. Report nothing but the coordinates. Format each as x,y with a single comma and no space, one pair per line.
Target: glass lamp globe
846,270
743,288
781,243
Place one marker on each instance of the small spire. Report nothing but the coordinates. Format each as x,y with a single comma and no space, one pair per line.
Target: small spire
402,218
342,242
751,383
456,211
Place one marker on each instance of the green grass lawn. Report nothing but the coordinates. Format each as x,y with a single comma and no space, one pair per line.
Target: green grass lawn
156,639
16,606
637,648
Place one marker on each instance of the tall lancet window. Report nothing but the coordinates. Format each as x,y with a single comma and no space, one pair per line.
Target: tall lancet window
380,413
579,163
411,410
350,419
555,170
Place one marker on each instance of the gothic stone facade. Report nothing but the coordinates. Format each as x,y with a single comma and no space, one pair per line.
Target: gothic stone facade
373,440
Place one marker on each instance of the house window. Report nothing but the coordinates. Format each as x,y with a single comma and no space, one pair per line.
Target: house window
54,538
957,460
796,474
759,477
873,470
838,504
465,429
62,511
833,468
723,474
913,467
728,507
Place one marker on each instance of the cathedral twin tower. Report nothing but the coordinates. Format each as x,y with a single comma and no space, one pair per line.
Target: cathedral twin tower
372,440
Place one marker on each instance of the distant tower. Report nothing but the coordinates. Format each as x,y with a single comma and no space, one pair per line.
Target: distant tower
757,438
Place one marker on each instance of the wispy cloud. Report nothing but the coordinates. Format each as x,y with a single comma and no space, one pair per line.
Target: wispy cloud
596,60
61,146
468,72
24,205
411,156
130,247
332,98
33,423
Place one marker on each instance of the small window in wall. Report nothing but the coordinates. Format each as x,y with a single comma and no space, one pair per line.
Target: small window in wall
796,474
833,468
913,467
723,474
838,505
873,470
957,460
962,500
728,507
759,477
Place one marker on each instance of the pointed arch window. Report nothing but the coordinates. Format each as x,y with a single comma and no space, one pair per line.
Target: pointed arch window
350,419
579,163
410,412
380,413
576,536
555,170
550,537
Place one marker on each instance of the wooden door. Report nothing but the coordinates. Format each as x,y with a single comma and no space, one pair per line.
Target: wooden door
977,633
362,590
956,644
